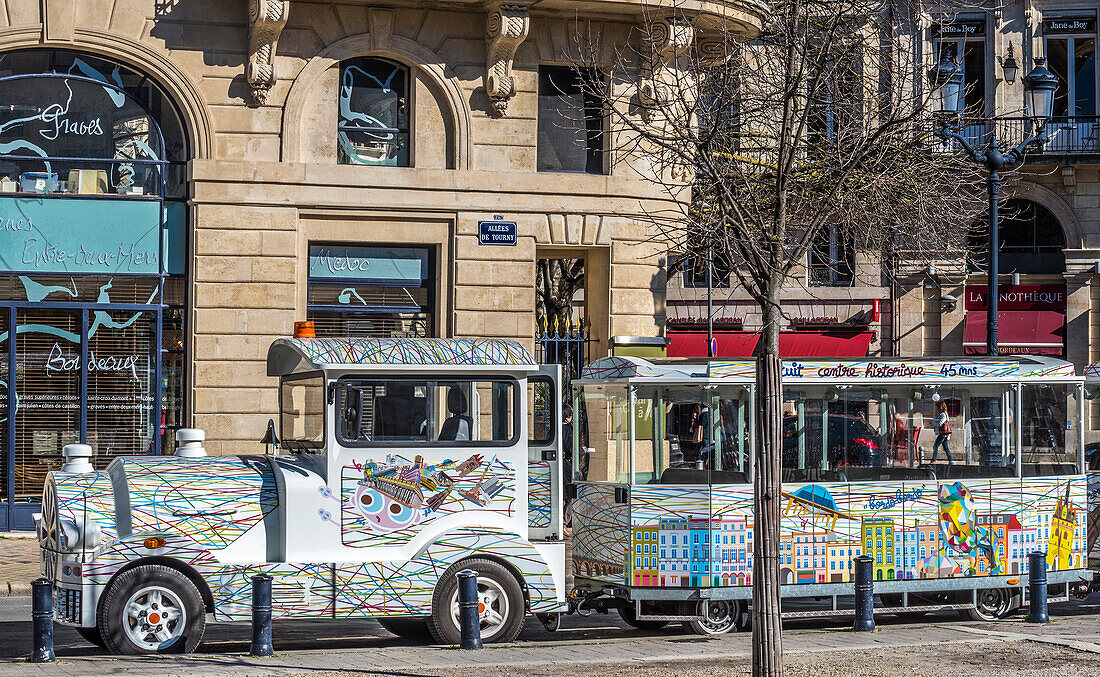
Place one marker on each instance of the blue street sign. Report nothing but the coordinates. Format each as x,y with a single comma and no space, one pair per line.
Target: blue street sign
496,232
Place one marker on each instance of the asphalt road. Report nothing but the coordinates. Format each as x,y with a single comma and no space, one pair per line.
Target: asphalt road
224,638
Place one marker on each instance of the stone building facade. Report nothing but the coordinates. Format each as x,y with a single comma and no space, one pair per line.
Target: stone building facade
1050,221
318,156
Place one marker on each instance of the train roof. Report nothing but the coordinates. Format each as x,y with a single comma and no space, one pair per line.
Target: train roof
298,355
884,370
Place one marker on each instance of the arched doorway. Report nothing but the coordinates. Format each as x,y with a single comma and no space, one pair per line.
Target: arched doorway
1031,312
92,266
1032,241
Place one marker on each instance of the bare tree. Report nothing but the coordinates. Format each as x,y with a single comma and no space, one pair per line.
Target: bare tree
821,125
557,281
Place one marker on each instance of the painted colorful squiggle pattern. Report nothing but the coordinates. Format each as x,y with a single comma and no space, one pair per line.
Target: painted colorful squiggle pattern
397,504
418,351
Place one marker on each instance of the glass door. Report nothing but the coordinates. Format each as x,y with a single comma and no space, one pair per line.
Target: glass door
1072,58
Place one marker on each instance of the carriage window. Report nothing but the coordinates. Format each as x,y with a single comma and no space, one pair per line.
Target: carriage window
302,412
1048,430
605,456
540,412
433,412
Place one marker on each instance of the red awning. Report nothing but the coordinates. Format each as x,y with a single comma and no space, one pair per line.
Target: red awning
824,343
694,343
1021,332
791,343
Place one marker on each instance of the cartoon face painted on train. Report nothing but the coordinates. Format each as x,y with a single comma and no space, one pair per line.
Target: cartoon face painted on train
382,513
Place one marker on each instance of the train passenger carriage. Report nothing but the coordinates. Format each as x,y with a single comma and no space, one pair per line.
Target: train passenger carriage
663,514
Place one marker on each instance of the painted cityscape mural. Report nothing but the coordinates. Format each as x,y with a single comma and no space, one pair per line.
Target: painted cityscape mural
702,536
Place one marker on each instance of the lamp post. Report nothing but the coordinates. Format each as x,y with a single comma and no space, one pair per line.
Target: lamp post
1039,87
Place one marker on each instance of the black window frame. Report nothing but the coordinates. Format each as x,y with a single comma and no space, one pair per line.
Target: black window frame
428,283
594,115
555,422
433,377
302,445
403,132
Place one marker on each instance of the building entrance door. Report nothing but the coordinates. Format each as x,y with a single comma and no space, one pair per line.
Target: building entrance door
73,372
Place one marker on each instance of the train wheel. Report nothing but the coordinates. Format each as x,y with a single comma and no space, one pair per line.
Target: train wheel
152,609
500,603
993,605
630,616
717,617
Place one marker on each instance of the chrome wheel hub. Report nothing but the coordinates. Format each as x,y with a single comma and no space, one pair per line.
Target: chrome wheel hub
154,618
718,616
492,606
993,603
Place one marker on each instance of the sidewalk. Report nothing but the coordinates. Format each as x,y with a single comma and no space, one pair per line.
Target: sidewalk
1063,641
19,563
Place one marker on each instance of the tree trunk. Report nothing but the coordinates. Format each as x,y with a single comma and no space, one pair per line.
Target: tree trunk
767,639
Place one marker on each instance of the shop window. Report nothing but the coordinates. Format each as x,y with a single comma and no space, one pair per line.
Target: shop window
571,121
373,127
127,126
96,144
1031,239
380,292
430,411
831,259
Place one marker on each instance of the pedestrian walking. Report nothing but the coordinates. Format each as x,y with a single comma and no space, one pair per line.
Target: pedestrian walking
943,433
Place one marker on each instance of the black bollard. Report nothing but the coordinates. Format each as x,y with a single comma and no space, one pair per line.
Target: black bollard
469,611
261,616
1037,587
865,595
42,616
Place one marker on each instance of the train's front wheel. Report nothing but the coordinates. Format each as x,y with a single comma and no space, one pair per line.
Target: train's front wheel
152,609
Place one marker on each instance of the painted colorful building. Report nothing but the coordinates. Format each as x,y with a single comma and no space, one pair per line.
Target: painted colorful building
906,553
674,559
878,542
839,560
645,558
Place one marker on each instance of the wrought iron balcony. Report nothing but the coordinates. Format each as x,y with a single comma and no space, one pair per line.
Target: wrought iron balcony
1067,136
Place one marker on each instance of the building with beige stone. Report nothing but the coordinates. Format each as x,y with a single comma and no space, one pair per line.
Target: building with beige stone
181,181
842,304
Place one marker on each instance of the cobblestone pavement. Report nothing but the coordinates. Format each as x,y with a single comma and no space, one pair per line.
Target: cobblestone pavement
600,646
19,564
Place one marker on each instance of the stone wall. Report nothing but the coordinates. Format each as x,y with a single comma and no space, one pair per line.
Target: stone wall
265,182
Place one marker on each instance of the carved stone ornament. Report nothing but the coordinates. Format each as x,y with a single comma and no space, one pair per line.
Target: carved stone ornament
668,39
506,27
266,19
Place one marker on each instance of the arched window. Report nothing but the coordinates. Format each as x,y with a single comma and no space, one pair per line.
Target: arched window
373,126
1031,239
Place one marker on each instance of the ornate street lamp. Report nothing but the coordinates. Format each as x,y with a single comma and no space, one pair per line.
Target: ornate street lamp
947,84
1010,67
1039,87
